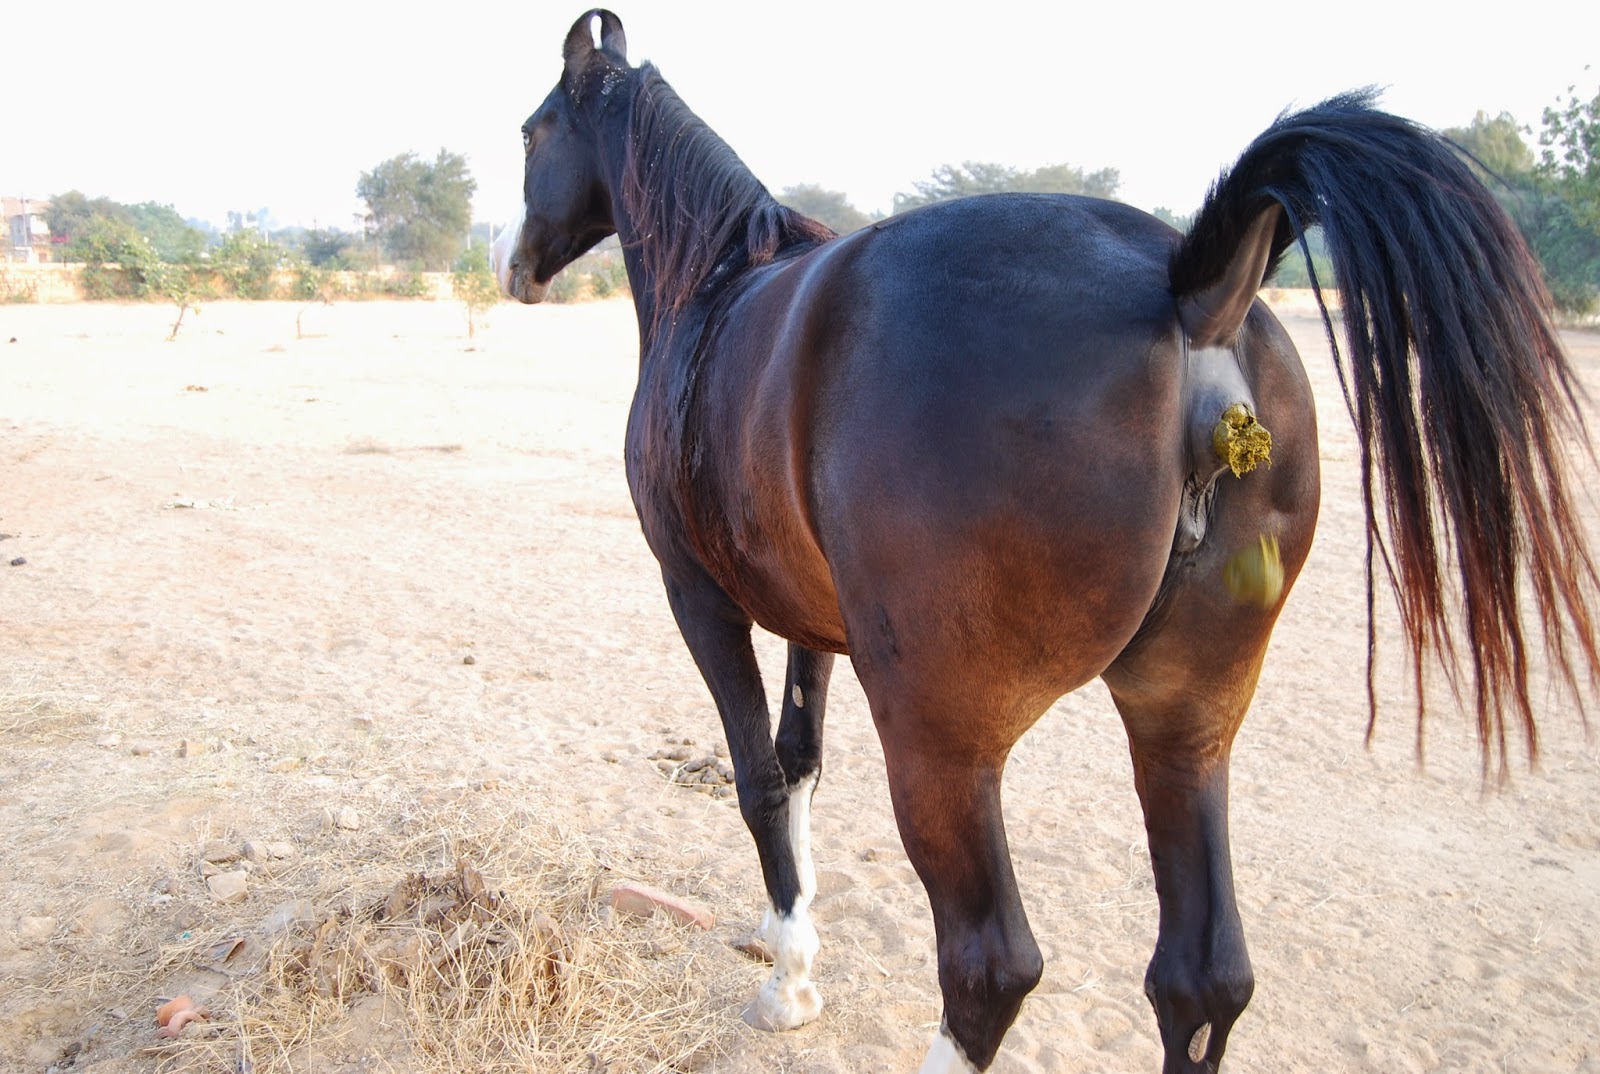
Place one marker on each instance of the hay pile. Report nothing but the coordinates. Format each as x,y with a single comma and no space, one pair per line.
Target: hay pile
447,970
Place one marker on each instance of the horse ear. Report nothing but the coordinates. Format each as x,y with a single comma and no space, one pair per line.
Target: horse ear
580,42
612,39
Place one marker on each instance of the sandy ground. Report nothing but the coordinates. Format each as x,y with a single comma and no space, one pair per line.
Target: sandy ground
287,569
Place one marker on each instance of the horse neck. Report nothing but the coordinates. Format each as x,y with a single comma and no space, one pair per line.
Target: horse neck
691,217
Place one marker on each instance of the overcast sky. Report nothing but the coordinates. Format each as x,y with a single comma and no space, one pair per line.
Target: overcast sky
212,107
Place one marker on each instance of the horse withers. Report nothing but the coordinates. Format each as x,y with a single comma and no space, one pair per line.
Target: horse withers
994,448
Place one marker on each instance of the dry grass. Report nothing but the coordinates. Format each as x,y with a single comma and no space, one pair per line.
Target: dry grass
508,960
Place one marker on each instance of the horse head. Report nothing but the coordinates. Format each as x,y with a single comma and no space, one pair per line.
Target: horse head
566,202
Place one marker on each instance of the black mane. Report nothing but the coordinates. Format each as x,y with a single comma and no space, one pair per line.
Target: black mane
703,211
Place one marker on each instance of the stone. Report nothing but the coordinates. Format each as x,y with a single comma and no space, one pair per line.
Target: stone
347,819
642,900
229,887
218,851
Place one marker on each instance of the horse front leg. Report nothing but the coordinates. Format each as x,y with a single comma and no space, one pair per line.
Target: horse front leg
717,633
1199,980
799,748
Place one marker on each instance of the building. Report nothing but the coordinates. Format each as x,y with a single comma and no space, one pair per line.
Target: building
27,235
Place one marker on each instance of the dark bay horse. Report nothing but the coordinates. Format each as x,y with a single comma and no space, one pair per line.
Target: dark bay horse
994,448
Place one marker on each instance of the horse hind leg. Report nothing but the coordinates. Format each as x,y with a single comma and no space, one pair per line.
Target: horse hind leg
1182,689
776,812
946,801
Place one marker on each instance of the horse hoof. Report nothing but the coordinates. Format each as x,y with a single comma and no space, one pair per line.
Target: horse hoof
777,1008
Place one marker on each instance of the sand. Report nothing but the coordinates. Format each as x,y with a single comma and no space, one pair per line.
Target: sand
281,551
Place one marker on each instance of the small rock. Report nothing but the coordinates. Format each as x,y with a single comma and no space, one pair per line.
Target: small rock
642,900
288,764
286,916
469,659
347,819
109,741
753,946
229,887
191,748
19,561
35,930
142,748
117,1014
268,850
364,719
218,851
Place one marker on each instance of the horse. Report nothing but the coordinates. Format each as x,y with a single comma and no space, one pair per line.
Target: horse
993,448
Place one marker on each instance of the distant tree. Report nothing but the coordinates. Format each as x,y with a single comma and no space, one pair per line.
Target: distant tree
327,247
175,242
419,211
71,214
473,282
1494,146
980,177
1569,159
1167,216
831,207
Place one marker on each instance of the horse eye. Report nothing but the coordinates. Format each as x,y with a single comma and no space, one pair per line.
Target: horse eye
527,141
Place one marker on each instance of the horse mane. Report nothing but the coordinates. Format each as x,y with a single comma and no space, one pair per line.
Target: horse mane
698,212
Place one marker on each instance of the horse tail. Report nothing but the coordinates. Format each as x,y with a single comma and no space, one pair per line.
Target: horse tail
1453,374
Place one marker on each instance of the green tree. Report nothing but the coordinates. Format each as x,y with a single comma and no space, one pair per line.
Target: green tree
71,214
419,211
1570,155
473,282
175,242
1494,147
830,207
248,264
981,177
327,247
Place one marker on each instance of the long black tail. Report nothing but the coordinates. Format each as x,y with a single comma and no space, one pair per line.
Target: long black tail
1453,374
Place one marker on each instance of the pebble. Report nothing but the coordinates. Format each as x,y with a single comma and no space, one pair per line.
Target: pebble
191,748
19,561
469,659
218,851
109,741
229,887
347,819
268,850
142,748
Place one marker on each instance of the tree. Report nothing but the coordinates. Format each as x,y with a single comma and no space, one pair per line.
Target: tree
1570,157
1494,147
71,214
830,207
980,177
474,284
175,242
419,211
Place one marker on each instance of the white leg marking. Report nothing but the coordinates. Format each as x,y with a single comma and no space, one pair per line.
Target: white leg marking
800,834
505,245
944,1057
799,696
788,998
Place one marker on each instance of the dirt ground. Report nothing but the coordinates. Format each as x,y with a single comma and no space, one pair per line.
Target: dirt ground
256,567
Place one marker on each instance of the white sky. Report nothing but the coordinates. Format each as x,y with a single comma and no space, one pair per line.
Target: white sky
212,107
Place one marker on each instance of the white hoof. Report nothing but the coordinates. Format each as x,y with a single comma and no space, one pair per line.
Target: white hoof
779,1006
